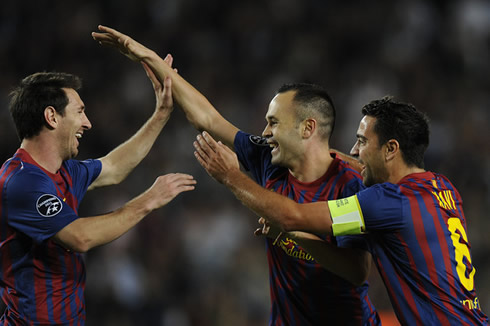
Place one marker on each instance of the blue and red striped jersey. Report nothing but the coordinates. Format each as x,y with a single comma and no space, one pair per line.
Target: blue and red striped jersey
302,291
418,238
41,282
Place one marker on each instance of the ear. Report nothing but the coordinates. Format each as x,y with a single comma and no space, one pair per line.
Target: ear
51,117
308,127
392,149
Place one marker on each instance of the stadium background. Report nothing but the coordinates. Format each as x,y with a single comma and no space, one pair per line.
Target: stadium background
196,261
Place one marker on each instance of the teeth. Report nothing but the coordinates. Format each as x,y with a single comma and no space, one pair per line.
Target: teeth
78,135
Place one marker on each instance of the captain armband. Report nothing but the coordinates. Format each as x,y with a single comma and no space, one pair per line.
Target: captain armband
346,216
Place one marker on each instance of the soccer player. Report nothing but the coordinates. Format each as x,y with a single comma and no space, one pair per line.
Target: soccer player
42,238
300,120
413,219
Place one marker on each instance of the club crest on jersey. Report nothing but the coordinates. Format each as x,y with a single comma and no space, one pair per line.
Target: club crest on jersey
258,140
48,205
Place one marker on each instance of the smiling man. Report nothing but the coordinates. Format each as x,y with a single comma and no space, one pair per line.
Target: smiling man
42,273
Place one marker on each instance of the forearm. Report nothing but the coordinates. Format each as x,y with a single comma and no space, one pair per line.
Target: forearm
351,264
198,110
196,107
86,233
279,210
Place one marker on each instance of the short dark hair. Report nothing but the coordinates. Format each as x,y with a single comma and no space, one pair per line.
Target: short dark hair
34,94
403,122
314,102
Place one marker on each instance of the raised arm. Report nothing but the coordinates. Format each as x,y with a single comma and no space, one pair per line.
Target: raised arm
200,113
118,163
88,232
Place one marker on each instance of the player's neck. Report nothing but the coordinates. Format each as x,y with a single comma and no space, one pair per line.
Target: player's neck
313,165
43,153
399,172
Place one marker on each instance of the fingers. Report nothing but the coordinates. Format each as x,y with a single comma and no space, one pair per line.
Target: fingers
202,147
185,182
169,59
111,37
108,34
212,144
169,186
167,91
181,181
264,230
109,30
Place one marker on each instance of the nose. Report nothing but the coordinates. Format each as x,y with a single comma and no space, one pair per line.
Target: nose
267,131
86,123
355,150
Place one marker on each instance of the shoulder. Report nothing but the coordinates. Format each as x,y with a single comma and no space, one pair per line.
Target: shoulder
74,166
87,162
28,178
244,138
347,169
342,167
382,192
347,176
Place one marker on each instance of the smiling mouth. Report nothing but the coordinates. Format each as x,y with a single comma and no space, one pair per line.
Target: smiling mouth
78,135
274,147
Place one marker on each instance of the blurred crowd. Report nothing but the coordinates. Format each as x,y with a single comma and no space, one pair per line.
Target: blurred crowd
196,261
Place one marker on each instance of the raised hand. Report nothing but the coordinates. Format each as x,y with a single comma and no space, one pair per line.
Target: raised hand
167,187
163,95
123,43
215,157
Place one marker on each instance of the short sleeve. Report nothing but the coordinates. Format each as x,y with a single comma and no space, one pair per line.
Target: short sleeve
382,207
36,210
254,154
84,173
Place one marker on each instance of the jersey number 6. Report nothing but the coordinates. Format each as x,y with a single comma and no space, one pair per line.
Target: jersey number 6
461,251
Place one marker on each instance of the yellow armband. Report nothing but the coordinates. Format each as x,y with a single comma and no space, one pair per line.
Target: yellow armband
346,216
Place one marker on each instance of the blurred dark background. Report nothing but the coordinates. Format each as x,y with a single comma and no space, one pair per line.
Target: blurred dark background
196,261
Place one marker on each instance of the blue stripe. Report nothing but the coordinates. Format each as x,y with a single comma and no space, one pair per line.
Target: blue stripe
49,292
319,192
64,271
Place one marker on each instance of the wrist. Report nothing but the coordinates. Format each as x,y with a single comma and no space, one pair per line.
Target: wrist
232,177
163,113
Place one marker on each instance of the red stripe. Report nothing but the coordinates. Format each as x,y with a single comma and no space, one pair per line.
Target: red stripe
10,235
391,293
422,237
404,286
40,290
70,198
430,203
